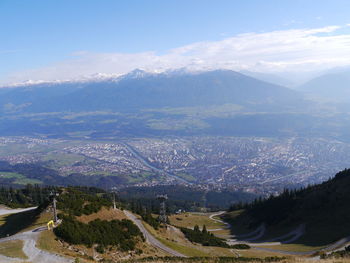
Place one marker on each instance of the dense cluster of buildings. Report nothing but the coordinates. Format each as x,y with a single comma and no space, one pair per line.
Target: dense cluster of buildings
251,164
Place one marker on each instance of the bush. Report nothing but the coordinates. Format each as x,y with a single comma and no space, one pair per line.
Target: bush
77,203
121,233
203,237
240,246
100,249
148,218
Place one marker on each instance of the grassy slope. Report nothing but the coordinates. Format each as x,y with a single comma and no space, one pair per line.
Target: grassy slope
19,178
12,249
103,214
178,242
233,260
189,220
49,242
192,219
175,243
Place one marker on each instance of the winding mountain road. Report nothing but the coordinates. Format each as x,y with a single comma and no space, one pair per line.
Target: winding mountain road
287,238
150,238
227,225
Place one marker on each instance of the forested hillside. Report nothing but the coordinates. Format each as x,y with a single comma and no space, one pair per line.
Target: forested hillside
74,202
323,208
25,197
187,198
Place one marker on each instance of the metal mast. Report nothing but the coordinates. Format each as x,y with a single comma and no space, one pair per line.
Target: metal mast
54,210
54,206
114,204
162,211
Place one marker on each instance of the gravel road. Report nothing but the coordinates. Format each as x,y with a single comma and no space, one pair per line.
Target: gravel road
150,238
33,253
29,239
7,211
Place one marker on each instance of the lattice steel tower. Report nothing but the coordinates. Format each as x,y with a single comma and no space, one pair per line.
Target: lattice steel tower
162,211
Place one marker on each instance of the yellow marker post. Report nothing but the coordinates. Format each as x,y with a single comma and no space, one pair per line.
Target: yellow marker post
50,223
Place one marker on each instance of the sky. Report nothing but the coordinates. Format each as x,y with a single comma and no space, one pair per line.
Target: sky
72,39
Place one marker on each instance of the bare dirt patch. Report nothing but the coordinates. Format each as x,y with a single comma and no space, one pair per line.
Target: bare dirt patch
103,214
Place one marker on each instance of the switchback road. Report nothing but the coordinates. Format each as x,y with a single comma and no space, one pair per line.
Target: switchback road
150,238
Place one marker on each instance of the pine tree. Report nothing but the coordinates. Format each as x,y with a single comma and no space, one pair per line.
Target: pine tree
196,228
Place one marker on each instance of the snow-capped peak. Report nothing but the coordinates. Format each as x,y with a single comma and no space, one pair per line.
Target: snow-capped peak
137,73
134,74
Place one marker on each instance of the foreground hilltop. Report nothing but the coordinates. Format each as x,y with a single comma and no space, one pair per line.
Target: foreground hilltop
97,225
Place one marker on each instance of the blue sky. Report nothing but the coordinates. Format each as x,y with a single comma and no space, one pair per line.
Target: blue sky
40,38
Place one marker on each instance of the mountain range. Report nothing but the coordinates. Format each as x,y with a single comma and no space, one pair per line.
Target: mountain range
218,102
141,90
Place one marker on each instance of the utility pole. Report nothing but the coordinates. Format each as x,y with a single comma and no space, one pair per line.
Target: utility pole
54,201
54,210
162,211
114,204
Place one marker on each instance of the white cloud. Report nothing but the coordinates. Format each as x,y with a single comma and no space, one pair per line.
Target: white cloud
277,51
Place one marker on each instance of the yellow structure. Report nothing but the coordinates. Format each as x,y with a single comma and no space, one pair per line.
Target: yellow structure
50,223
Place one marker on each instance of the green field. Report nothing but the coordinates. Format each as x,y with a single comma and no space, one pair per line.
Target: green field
187,177
224,110
60,159
19,178
14,148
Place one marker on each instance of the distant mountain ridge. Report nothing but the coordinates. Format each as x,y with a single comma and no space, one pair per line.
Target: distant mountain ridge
271,78
140,90
332,86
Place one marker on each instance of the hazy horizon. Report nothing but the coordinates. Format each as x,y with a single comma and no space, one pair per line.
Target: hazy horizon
72,40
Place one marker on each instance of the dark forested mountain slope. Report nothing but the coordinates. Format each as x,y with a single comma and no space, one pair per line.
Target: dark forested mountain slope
323,208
